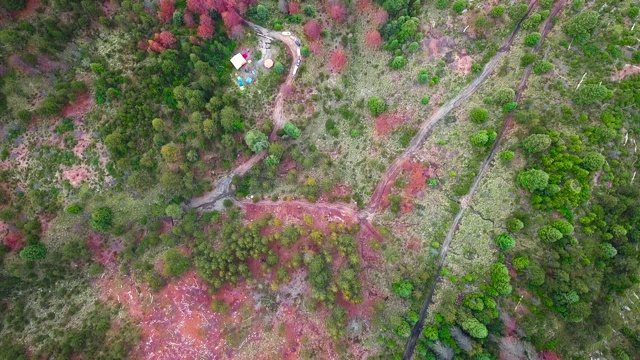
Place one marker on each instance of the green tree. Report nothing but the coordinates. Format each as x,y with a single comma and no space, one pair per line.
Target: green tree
536,143
430,332
423,77
256,140
581,26
377,105
230,119
505,242
500,279
102,219
279,68
483,137
563,226
33,252
542,67
14,5
475,328
591,93
474,301
174,211
608,251
260,14
459,6
549,234
291,130
532,39
170,152
507,155
496,11
503,96
593,161
310,11
271,160
158,124
404,289
398,62
520,262
533,179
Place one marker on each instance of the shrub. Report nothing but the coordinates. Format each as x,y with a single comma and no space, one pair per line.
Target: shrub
496,11
423,77
404,289
424,100
34,252
505,242
542,67
483,137
291,130
14,5
73,209
549,234
459,6
581,26
377,105
527,59
413,47
271,160
533,179
102,219
593,161
536,143
398,62
510,106
474,302
170,152
507,155
174,211
520,262
503,96
517,12
430,332
478,114
175,263
309,10
514,224
500,279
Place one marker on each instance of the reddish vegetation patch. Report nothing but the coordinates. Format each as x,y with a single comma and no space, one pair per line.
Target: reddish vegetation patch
338,61
77,174
103,253
166,225
417,175
162,41
387,122
373,39
294,7
312,30
338,191
627,70
363,5
463,63
16,62
188,20
337,11
78,107
549,355
13,240
32,5
315,47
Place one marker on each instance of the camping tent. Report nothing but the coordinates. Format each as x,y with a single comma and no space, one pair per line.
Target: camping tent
238,61
268,63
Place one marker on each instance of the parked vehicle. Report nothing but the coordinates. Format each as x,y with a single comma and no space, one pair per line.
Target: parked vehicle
298,43
298,62
286,33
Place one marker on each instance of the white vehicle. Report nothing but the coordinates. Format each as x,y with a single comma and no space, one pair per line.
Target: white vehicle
292,37
298,52
286,33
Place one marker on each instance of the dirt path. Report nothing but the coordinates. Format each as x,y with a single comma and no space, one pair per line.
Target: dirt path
466,201
425,128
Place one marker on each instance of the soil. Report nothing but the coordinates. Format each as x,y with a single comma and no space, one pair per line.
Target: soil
627,70
32,5
462,63
77,174
79,107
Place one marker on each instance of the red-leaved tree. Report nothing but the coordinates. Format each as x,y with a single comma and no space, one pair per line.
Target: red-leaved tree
294,7
231,19
337,11
188,20
205,30
155,46
312,29
338,60
373,39
380,17
165,12
198,6
165,38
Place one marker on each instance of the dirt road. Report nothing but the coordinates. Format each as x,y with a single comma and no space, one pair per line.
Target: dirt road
466,201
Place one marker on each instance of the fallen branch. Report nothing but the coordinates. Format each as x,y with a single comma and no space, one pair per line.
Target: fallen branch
581,80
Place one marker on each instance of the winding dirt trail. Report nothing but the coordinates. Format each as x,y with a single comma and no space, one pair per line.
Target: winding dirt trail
222,188
466,201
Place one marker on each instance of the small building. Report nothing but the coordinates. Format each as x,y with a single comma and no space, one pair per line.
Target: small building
238,61
268,63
